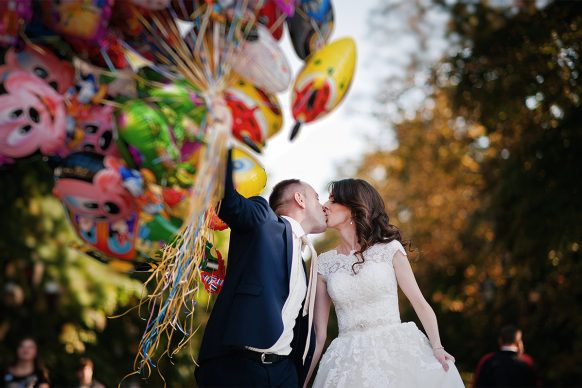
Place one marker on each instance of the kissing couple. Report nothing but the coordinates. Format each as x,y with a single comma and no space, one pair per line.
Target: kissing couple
268,325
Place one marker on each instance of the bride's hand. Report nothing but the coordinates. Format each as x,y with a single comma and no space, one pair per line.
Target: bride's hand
442,356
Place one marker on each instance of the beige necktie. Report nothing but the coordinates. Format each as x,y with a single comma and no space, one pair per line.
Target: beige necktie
311,288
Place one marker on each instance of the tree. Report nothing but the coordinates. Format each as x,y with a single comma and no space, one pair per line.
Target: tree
518,75
66,299
486,181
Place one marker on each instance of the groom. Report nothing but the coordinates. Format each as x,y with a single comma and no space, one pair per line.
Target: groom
256,334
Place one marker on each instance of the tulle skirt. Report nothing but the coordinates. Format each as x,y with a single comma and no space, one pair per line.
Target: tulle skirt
395,355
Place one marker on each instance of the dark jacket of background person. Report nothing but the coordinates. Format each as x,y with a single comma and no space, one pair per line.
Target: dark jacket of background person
508,367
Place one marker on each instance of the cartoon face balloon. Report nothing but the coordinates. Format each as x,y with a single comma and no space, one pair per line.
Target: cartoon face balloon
78,19
59,74
32,115
256,116
323,82
94,187
98,131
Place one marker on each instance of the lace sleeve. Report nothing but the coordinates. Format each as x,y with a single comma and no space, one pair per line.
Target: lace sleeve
392,247
323,264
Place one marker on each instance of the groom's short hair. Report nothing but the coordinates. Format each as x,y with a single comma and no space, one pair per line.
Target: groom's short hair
279,197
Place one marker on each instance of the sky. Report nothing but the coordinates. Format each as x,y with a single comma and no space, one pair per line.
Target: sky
340,138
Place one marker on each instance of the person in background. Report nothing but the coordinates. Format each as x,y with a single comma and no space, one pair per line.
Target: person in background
509,366
27,371
85,374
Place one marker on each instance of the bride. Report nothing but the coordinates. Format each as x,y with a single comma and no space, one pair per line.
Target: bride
374,348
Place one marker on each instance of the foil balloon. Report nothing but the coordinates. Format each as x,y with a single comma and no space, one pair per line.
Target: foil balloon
212,269
215,222
95,131
323,82
97,187
256,115
154,5
41,62
100,196
86,20
93,83
32,116
108,52
14,14
311,26
271,17
286,6
249,175
250,180
185,109
125,18
263,63
145,139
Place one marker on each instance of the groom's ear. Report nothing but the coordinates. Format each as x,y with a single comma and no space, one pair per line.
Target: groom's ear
299,199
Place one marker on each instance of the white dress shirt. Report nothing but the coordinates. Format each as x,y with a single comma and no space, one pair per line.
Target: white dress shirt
297,292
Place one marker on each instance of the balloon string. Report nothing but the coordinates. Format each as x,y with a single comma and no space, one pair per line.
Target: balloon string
176,277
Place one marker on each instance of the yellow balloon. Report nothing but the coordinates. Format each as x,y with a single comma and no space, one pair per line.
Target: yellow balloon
250,178
257,115
323,82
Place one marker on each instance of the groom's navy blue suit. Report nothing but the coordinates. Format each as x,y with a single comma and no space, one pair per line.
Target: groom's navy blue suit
247,312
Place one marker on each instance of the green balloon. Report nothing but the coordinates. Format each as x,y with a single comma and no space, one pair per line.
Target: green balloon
160,229
184,108
145,133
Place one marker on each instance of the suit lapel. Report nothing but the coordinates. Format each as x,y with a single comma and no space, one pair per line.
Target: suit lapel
289,243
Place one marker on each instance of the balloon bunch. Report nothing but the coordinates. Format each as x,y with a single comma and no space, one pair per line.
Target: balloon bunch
135,104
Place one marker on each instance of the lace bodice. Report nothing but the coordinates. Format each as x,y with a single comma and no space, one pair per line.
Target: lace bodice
369,298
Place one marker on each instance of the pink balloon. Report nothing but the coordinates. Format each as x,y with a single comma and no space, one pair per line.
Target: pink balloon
40,61
32,115
99,195
96,131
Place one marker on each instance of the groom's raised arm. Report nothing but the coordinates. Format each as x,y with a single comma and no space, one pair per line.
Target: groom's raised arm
237,211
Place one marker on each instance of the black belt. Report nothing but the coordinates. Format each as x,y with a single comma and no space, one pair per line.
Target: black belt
264,358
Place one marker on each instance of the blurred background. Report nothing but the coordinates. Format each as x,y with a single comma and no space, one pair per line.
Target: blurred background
466,115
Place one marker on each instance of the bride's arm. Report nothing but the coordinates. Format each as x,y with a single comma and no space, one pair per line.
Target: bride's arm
320,319
408,285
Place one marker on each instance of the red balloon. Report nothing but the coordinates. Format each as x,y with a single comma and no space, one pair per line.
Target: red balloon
269,15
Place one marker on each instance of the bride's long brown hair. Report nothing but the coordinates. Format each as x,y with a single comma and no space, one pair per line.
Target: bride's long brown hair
368,213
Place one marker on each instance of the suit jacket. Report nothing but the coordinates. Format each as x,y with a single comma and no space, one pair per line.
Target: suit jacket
504,369
247,312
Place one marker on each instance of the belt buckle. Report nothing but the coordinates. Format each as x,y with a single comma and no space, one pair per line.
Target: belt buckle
263,359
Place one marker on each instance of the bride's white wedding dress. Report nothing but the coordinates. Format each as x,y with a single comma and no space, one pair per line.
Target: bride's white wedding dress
374,349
